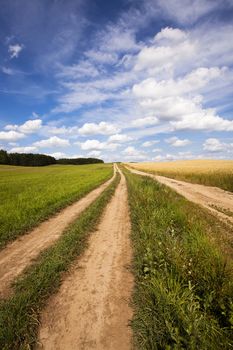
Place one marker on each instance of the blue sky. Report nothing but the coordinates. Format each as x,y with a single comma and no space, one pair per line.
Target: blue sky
121,80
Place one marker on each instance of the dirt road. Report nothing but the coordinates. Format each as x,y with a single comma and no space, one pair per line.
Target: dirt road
91,309
218,201
19,254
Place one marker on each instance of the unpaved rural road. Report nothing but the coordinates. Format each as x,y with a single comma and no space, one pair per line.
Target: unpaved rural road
19,254
91,309
212,198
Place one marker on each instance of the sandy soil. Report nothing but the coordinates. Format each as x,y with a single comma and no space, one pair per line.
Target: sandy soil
212,198
19,254
91,309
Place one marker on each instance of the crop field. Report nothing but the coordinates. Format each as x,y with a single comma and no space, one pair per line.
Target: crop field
31,194
183,280
217,173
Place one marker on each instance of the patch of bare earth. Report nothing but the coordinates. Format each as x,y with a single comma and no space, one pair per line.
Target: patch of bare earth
19,254
212,198
91,309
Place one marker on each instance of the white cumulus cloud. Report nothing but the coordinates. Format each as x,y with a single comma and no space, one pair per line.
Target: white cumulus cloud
29,127
149,143
132,154
96,145
142,122
53,141
173,34
10,136
176,142
58,155
121,138
215,145
26,149
103,128
94,154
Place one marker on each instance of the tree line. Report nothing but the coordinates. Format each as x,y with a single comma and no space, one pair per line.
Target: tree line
31,159
79,161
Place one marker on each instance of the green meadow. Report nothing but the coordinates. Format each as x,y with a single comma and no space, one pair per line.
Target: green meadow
31,194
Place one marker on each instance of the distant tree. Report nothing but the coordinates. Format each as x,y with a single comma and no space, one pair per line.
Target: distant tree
26,159
3,157
31,159
79,161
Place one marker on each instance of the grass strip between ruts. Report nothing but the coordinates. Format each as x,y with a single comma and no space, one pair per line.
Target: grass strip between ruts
19,315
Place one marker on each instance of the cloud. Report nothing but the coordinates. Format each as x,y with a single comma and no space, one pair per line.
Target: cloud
15,50
103,128
95,91
176,142
53,141
7,71
60,130
142,122
149,143
96,145
156,59
101,56
171,34
132,154
29,127
94,154
117,38
186,11
58,155
170,157
179,101
121,138
77,97
82,69
189,84
157,150
214,145
26,149
202,119
10,136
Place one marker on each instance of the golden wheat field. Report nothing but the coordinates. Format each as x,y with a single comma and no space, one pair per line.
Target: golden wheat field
208,172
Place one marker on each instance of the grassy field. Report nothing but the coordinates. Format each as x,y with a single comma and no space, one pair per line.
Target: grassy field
19,316
207,172
183,278
29,195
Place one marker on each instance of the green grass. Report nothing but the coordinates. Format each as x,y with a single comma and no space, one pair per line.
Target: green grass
29,195
183,284
19,316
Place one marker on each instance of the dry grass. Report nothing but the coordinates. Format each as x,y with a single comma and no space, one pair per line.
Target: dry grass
207,172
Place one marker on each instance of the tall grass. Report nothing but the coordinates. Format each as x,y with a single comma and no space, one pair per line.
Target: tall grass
19,316
184,287
217,173
29,195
